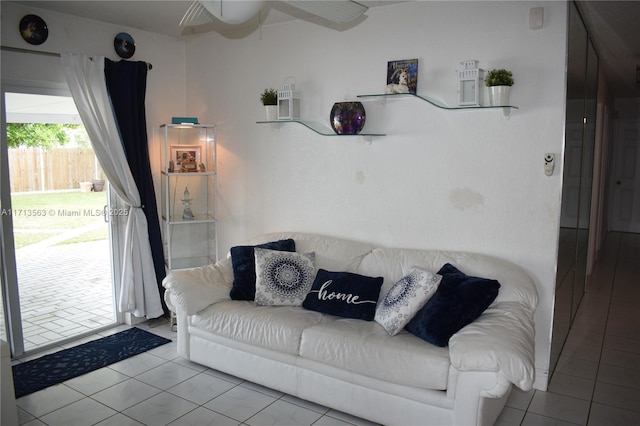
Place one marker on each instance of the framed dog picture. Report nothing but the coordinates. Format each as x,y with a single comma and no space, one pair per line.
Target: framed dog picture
402,76
186,158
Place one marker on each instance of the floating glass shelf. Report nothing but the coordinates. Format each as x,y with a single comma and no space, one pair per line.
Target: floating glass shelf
191,262
432,101
199,218
320,129
189,174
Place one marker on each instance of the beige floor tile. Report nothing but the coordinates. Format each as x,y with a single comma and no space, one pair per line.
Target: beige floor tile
560,407
604,415
617,396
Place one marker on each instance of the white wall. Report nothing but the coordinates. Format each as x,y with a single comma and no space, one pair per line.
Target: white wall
459,180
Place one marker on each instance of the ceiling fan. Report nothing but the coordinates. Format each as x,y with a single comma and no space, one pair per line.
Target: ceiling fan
239,18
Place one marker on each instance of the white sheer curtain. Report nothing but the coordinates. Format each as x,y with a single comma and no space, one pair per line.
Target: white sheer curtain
139,293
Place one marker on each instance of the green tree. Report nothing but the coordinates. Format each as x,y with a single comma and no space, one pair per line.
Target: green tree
37,134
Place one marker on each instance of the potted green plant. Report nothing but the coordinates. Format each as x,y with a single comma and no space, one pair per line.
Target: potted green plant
499,82
269,99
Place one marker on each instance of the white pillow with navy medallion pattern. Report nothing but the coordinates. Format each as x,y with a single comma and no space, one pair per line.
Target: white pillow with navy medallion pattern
405,298
283,278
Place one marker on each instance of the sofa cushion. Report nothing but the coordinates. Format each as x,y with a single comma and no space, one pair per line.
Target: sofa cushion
364,347
344,294
274,327
244,267
332,254
394,263
283,278
405,299
460,299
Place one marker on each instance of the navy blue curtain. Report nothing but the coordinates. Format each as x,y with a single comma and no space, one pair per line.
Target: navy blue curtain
127,86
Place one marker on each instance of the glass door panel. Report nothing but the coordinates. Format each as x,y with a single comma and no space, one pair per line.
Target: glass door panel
60,235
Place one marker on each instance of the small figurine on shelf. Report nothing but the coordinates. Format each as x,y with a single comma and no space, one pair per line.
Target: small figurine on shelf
171,166
187,214
202,168
403,83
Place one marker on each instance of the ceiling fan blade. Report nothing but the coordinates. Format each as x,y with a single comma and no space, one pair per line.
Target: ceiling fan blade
231,31
337,11
196,15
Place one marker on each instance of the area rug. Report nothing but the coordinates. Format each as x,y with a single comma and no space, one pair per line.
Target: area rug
58,367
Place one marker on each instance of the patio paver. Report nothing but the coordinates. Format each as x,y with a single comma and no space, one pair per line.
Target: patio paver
65,290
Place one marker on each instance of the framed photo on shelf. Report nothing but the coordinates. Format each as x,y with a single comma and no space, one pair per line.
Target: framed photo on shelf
402,76
185,158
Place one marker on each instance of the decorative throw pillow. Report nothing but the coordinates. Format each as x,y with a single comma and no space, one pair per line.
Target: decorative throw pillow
344,294
405,299
283,278
459,300
244,267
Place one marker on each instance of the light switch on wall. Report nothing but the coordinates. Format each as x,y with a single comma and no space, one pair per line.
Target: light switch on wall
549,164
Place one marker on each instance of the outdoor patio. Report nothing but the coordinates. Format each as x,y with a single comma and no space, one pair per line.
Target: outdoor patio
65,290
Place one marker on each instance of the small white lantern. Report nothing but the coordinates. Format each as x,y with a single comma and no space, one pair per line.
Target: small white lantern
288,102
470,79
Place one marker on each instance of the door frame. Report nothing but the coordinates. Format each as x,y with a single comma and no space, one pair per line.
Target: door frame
10,285
621,125
11,298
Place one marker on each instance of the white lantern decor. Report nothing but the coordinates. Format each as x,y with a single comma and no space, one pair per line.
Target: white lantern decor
288,102
470,79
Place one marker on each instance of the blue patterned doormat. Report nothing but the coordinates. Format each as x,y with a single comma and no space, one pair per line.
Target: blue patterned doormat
58,367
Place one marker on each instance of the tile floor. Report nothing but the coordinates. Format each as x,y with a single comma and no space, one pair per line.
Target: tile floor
159,388
597,381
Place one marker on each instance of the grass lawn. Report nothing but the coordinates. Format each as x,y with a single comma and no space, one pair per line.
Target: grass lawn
25,239
98,234
56,212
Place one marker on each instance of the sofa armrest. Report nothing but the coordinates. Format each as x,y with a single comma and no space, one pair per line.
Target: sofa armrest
501,340
195,289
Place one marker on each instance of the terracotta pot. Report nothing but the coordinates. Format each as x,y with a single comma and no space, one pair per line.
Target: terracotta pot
98,185
86,186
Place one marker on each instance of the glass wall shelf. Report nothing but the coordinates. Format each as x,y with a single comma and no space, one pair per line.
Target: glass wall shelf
188,174
198,218
433,102
188,263
320,129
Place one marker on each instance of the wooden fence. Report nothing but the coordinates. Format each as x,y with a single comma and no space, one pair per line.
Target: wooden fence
37,169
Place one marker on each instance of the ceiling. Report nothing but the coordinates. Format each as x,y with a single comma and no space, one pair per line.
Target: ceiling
613,26
31,108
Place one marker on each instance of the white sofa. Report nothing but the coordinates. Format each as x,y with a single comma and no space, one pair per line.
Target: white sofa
353,365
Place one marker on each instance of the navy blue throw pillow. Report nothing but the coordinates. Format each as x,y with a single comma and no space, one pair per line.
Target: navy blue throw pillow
244,267
344,294
459,300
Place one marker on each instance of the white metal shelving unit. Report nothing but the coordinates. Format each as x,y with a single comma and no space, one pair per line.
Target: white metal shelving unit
189,191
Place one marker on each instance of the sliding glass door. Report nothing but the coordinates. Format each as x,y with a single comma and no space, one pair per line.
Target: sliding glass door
57,234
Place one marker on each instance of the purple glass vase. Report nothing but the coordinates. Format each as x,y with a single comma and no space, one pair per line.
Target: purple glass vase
347,118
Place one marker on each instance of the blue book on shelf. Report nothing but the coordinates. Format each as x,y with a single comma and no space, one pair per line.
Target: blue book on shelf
184,120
